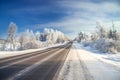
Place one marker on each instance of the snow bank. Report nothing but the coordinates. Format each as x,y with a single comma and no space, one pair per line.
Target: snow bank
112,59
103,45
97,66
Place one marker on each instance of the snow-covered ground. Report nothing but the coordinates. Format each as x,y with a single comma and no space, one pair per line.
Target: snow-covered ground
83,64
4,54
71,70
113,59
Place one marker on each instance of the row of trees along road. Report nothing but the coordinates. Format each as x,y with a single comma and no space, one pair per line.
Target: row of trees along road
30,40
104,40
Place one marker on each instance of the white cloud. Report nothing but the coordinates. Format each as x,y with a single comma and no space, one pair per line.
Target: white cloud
82,16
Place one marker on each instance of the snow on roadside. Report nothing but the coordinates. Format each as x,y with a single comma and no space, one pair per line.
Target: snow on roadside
4,54
98,69
71,69
82,64
112,59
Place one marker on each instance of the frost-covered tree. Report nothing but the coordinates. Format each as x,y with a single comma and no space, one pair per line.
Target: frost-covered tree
38,35
32,37
28,40
104,40
81,36
94,36
22,39
11,39
101,30
49,35
31,40
54,36
110,34
11,31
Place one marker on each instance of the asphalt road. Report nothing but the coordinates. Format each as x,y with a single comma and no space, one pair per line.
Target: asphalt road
39,65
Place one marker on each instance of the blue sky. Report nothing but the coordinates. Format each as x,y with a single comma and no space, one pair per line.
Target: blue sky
69,16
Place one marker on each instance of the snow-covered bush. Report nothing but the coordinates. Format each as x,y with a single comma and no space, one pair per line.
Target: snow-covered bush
117,45
87,43
105,45
103,40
